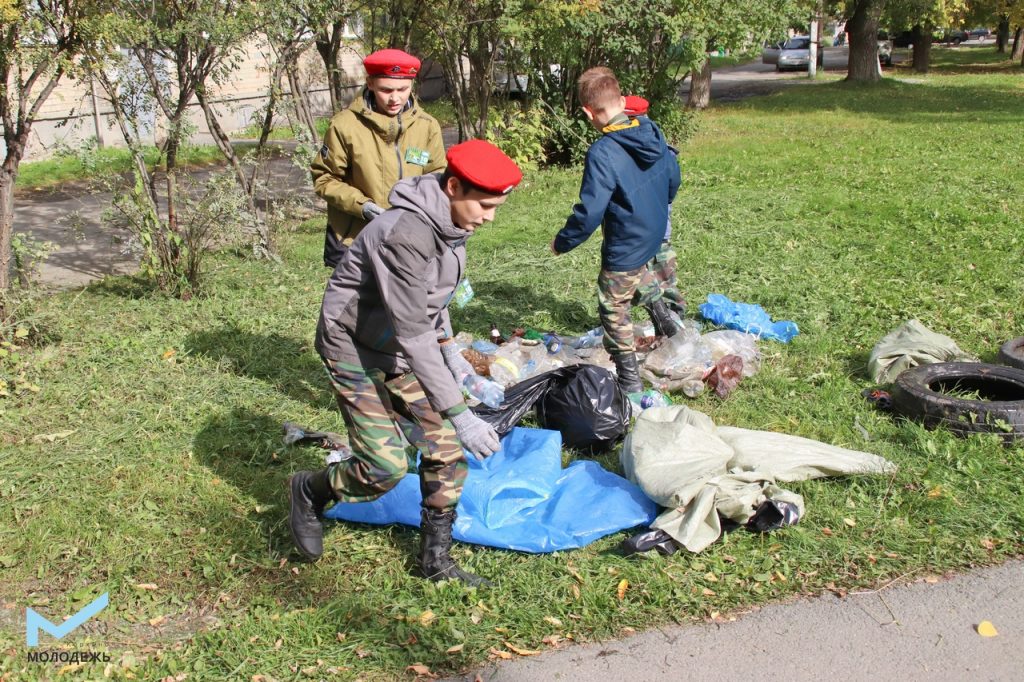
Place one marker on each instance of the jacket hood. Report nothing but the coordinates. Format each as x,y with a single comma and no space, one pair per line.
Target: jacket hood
644,141
388,127
424,196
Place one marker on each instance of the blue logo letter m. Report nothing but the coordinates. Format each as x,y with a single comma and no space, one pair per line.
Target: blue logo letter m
34,622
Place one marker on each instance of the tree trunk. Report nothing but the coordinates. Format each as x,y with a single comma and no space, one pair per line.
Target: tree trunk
922,48
261,247
6,227
863,30
328,45
1018,45
300,100
700,87
1003,34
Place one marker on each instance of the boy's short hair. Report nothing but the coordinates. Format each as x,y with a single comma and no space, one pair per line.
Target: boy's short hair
598,88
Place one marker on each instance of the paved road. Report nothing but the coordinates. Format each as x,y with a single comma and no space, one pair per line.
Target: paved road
920,631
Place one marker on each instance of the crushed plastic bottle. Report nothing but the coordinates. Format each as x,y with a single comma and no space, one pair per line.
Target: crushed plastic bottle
485,347
591,339
488,392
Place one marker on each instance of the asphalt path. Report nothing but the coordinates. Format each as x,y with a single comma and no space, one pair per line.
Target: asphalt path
926,630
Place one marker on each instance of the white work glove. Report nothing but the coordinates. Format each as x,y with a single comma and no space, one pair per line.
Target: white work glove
476,435
457,364
371,211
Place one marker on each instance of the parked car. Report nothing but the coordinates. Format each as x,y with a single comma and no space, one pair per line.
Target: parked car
952,35
980,33
903,39
796,54
884,48
770,53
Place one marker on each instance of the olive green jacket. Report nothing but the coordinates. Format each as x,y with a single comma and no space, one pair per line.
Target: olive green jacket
363,155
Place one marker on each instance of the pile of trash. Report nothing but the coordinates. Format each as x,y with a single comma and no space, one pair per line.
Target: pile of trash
688,362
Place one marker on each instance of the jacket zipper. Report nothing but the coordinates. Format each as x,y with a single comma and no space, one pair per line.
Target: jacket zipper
398,151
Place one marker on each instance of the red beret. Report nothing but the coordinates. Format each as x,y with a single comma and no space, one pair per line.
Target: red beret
391,64
484,166
636,105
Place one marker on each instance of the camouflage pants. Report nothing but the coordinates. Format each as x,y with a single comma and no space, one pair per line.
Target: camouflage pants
617,293
663,265
378,409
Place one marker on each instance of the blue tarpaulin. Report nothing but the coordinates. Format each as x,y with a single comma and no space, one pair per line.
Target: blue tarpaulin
746,317
520,498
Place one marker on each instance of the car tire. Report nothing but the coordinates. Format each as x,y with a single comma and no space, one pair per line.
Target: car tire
1011,353
922,394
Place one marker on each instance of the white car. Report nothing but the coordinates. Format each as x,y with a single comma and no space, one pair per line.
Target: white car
796,54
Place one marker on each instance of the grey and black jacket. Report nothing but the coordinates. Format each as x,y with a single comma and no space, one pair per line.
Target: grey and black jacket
386,304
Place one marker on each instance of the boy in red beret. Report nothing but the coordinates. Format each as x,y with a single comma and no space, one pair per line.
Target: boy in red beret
381,138
629,178
384,336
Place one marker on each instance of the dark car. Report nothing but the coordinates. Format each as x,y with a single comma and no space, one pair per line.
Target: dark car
903,39
954,36
979,33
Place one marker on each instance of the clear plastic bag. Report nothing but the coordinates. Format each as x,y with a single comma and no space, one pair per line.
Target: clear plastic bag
728,342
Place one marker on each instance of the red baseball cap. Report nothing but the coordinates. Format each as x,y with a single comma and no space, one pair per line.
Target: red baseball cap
636,105
484,166
391,64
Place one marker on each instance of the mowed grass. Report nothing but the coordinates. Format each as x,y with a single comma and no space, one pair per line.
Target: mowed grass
149,465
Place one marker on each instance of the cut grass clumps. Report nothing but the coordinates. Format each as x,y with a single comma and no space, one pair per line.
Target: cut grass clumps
149,464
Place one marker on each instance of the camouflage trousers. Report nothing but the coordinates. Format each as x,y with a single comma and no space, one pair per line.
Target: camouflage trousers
617,293
663,265
378,409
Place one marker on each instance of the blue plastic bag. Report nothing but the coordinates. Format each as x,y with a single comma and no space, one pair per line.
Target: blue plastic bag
746,317
520,498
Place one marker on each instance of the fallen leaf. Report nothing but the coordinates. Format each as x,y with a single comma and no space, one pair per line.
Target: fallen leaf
849,522
575,591
156,621
931,579
426,618
827,532
362,653
711,577
872,558
51,437
552,640
500,654
278,643
340,636
554,621
623,586
935,492
455,649
628,631
986,629
475,617
728,558
145,586
421,670
708,592
169,354
781,577
521,652
215,481
988,544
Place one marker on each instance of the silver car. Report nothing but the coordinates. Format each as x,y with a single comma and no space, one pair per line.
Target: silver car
796,54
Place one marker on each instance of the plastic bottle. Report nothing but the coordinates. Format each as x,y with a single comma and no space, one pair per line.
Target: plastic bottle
552,342
496,338
649,398
591,339
486,391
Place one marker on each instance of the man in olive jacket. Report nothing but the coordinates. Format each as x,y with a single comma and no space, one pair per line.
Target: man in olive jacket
380,139
384,336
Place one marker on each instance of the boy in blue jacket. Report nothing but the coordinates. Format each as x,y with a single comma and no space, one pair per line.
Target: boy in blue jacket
629,179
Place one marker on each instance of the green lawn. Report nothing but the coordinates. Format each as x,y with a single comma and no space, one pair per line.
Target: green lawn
149,463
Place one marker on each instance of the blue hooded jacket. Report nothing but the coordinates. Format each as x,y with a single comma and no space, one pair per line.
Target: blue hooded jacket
629,178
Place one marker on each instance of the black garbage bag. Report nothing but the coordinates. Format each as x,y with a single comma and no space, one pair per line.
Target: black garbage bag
583,402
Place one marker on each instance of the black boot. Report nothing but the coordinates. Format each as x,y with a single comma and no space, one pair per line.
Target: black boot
308,493
627,373
664,325
435,543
